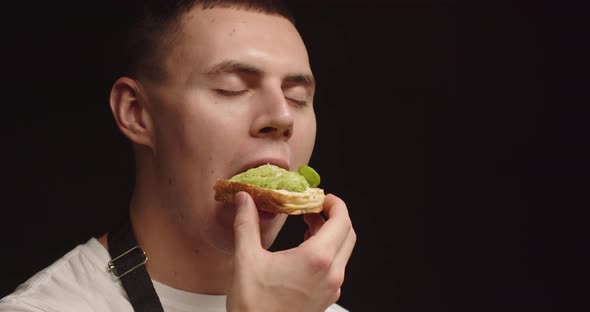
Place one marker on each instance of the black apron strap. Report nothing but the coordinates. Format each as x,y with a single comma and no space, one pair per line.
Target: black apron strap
128,264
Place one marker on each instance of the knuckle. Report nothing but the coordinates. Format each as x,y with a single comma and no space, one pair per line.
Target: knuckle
336,295
320,261
347,222
335,281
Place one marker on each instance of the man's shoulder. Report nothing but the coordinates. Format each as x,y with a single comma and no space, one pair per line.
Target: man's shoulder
68,284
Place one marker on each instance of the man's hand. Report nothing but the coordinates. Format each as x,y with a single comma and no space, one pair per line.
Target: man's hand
305,278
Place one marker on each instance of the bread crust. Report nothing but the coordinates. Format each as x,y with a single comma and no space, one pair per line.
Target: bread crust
275,201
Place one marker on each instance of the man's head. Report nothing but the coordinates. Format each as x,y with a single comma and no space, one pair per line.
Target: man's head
156,27
227,87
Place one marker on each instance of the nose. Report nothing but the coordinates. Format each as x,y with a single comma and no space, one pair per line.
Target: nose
274,117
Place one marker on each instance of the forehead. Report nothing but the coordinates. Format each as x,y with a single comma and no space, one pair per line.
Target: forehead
215,35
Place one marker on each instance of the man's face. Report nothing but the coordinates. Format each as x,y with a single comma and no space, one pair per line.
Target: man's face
238,93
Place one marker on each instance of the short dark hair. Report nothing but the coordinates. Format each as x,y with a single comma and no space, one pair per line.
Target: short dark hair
149,33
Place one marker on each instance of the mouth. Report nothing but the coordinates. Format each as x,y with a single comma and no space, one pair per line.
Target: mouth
263,215
263,161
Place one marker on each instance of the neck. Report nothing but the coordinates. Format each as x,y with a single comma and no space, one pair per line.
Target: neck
175,260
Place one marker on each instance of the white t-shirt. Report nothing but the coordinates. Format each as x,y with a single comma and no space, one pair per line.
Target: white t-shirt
80,282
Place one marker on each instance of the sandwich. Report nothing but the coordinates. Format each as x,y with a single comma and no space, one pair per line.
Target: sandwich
275,189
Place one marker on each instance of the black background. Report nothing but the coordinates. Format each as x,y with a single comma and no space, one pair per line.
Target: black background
457,134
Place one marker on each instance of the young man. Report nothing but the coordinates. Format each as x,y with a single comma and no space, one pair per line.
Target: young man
215,87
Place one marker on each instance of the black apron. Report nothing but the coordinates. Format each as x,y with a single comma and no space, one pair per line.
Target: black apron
128,264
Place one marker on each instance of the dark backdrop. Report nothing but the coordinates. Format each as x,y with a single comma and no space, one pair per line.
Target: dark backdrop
457,134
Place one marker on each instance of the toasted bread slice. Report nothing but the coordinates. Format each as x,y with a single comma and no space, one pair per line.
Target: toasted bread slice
275,201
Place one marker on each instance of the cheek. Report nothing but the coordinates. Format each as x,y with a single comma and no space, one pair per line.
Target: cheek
188,151
197,130
303,139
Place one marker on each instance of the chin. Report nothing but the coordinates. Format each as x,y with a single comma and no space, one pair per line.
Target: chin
226,244
269,229
270,226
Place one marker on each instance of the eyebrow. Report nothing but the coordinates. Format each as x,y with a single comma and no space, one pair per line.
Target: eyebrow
228,67
305,80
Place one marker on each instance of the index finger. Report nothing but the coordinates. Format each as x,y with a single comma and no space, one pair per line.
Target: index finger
333,233
333,206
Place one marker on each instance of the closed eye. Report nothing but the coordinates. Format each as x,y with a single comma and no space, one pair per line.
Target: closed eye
230,92
298,102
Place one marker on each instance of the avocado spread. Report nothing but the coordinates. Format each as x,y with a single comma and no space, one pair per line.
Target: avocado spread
273,177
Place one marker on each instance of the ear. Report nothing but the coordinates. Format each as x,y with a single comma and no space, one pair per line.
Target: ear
129,106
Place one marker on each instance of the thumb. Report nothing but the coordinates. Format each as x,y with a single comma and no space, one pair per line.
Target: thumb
246,224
